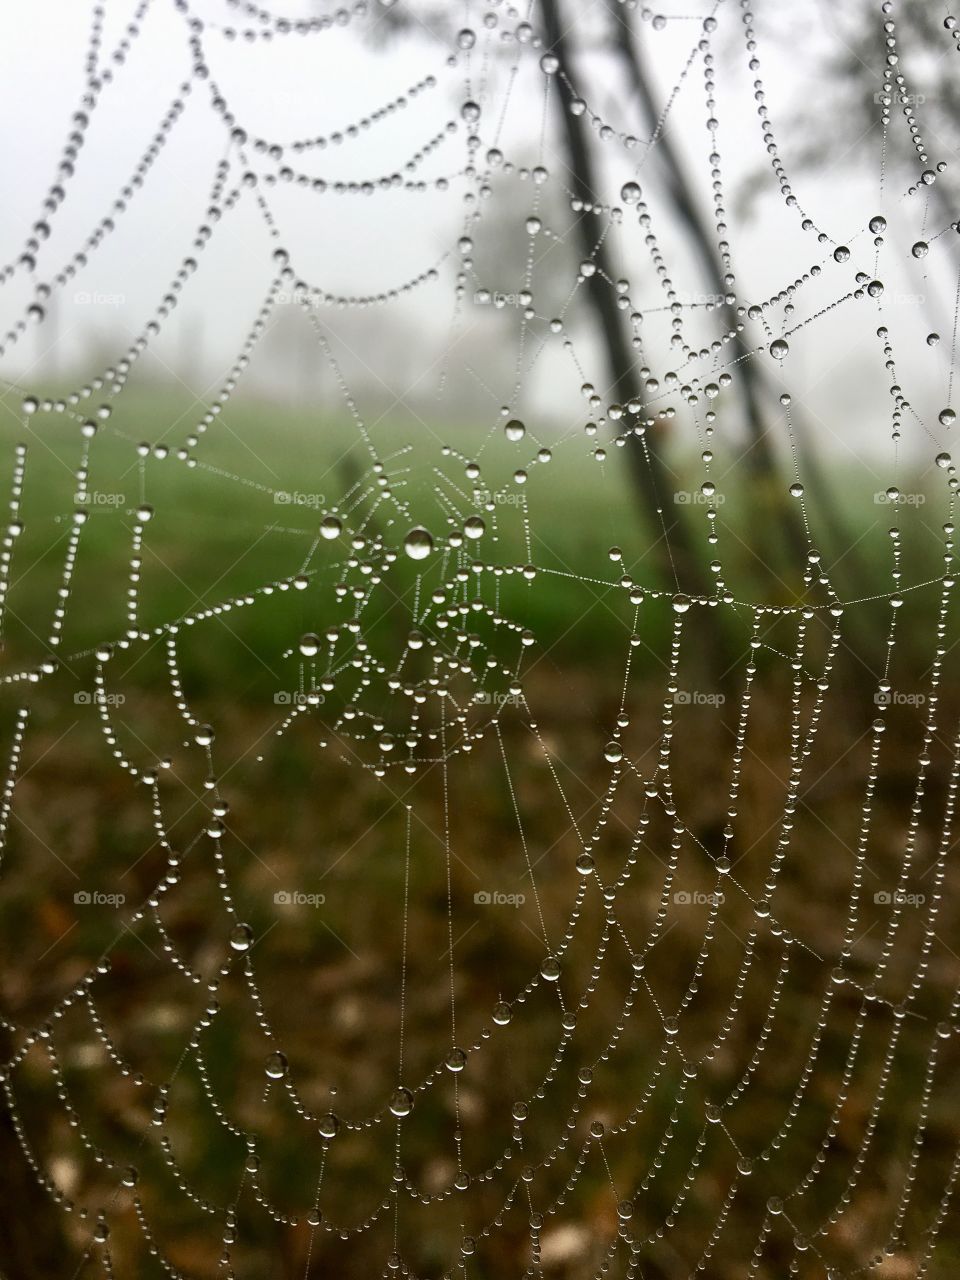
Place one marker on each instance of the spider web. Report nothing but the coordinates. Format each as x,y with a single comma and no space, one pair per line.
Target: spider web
449,958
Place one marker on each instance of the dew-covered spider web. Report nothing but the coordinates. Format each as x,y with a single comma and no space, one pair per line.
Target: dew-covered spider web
510,837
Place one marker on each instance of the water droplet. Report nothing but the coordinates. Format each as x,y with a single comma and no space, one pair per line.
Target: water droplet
796,490
613,752
276,1065
630,193
466,38
514,430
474,527
550,64
455,1060
947,417
779,348
585,864
933,339
330,528
875,288
310,644
681,603
878,224
418,543
470,112
550,969
502,1013
241,937
943,460
401,1102
144,513
328,1126
841,253
30,405
920,249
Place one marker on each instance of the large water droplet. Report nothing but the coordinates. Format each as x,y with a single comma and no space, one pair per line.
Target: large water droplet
276,1065
401,1102
328,1126
241,937
418,543
455,1060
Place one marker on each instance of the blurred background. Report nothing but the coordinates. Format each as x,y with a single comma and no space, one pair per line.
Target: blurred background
648,318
